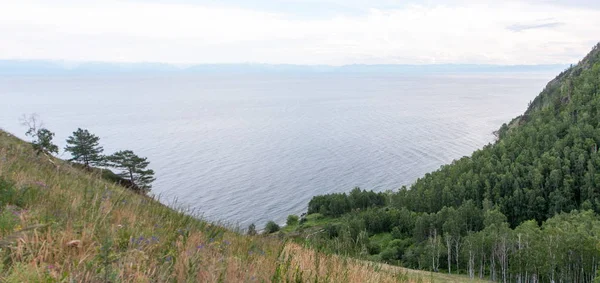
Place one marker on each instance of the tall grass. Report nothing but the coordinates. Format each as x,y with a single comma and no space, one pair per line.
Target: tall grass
62,224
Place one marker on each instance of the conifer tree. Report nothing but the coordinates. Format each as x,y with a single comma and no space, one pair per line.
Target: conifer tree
133,168
84,148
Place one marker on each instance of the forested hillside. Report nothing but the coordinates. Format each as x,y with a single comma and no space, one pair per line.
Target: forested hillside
545,163
523,209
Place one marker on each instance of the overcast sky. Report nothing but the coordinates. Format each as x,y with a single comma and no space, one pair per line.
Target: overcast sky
331,32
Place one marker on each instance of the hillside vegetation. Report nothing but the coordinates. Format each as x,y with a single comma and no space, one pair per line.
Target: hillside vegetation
60,223
523,209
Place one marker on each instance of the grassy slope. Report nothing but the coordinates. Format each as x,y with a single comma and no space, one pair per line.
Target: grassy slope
126,237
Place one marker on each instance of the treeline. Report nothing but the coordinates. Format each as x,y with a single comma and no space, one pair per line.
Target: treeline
339,203
85,150
524,209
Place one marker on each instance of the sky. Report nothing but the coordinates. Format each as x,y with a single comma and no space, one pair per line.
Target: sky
305,32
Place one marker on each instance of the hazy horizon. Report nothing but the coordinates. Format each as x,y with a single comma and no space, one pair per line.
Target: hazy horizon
50,67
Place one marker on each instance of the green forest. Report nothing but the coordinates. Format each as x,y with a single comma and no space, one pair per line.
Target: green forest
522,209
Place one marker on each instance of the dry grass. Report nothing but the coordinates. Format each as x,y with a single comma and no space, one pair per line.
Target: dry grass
122,237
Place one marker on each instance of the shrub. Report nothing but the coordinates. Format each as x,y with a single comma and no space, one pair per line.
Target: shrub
271,227
303,220
331,230
389,254
397,233
252,229
292,220
373,248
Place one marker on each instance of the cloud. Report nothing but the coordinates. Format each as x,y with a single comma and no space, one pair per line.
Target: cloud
587,4
190,32
522,27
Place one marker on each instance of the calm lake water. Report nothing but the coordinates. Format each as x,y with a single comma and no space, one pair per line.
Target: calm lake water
251,148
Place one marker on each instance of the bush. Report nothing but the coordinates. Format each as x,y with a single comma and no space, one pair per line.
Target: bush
373,248
389,254
303,220
397,233
271,227
292,220
331,230
252,229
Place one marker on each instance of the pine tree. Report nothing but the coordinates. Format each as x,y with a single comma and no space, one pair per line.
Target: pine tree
84,148
133,168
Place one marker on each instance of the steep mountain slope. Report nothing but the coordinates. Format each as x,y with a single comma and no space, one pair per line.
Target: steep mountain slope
544,162
59,223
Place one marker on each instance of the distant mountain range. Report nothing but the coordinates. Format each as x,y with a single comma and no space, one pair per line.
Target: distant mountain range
40,67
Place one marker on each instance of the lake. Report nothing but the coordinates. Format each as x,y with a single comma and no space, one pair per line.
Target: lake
251,148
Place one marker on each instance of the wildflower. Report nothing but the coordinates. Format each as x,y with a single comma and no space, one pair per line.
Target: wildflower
154,239
226,242
50,266
141,240
201,246
168,258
